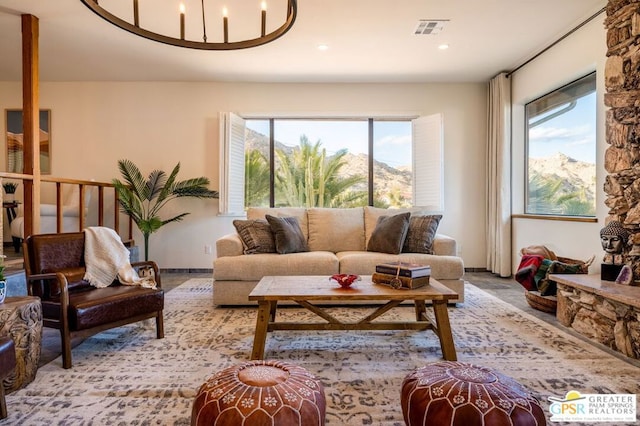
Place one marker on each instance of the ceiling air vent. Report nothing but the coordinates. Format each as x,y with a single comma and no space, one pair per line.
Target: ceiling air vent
430,26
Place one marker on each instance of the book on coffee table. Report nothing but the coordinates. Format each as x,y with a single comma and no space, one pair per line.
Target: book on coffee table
405,282
409,270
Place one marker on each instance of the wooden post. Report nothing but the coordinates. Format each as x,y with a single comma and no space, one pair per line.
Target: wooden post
31,123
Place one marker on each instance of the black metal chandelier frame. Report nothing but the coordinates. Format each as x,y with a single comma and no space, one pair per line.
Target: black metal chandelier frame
292,10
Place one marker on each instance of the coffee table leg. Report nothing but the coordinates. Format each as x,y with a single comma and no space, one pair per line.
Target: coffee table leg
444,330
272,312
262,325
421,310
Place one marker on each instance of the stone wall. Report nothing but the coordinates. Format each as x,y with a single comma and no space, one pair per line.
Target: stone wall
614,324
622,157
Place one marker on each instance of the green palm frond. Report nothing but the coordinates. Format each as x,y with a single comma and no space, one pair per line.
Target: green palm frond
142,199
133,177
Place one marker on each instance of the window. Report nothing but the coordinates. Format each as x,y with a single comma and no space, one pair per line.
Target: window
561,151
331,162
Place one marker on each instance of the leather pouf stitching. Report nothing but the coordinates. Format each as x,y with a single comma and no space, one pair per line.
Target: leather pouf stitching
260,393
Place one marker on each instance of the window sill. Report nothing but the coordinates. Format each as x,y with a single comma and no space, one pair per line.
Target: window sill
560,218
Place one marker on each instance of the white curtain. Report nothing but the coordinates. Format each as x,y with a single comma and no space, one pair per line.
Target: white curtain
499,176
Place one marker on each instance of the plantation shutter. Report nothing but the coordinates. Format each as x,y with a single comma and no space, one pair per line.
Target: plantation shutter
232,129
427,162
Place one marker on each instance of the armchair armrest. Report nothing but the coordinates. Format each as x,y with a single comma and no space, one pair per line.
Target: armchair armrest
38,277
45,290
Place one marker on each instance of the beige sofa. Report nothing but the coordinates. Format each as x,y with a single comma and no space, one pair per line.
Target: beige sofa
337,241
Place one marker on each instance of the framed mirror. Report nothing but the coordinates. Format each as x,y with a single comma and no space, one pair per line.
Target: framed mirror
14,147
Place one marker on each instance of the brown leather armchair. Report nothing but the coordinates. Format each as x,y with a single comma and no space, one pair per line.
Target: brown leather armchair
7,365
54,269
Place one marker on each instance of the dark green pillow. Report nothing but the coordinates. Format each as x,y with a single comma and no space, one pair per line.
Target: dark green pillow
287,234
389,234
421,233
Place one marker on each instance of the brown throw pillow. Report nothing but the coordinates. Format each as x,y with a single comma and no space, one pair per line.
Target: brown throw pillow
422,232
256,236
287,234
389,234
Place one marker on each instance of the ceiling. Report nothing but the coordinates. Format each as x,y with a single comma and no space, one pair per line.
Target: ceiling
369,41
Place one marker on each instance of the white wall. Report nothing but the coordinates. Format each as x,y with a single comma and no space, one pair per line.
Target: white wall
157,124
581,53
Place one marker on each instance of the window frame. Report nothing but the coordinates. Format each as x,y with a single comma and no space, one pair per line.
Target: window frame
555,216
232,172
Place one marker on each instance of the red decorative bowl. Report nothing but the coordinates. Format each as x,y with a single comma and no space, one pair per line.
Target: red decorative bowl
345,280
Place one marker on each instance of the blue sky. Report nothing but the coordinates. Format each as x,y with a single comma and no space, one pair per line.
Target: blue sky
572,133
392,143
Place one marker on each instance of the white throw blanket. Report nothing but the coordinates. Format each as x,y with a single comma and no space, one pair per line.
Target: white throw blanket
106,258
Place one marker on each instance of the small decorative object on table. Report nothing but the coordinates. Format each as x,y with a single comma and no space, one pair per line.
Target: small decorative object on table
404,269
625,276
345,280
10,190
402,275
613,238
3,281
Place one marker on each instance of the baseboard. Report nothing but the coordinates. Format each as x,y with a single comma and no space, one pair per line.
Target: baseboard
186,270
476,270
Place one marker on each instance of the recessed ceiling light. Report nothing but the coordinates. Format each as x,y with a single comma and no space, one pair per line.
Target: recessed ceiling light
443,46
323,46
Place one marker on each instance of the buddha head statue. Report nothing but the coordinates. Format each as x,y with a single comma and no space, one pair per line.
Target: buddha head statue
613,237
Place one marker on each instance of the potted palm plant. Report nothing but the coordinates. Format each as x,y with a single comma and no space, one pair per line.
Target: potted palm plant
142,199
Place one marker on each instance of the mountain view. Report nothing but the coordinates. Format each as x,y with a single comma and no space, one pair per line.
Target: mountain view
557,185
387,179
561,185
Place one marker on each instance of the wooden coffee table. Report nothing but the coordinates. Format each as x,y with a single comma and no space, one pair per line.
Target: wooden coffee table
305,290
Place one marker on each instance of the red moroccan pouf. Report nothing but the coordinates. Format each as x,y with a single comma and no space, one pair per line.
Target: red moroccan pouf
456,393
260,393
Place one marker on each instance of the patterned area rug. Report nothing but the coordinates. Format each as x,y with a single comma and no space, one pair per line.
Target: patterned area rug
126,376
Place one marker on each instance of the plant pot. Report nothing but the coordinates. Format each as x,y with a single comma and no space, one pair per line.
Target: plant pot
3,290
9,198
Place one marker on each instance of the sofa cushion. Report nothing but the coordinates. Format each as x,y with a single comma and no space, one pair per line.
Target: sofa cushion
364,263
256,236
336,229
421,233
299,213
287,235
389,234
256,266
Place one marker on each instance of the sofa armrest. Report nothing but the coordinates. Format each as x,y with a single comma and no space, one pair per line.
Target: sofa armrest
444,245
229,245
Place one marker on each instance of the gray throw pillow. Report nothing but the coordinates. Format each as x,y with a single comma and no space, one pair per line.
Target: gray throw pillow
287,234
389,234
422,232
256,236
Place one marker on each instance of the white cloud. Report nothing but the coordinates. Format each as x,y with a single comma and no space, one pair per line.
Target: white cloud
561,134
394,140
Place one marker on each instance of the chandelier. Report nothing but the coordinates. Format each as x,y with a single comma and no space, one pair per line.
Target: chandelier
174,34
